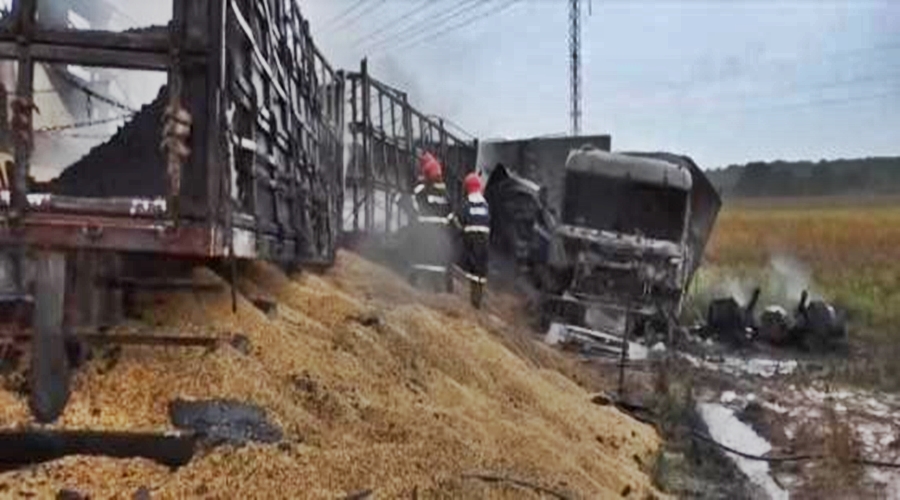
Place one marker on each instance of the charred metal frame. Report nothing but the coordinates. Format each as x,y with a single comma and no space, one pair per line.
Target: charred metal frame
284,199
386,136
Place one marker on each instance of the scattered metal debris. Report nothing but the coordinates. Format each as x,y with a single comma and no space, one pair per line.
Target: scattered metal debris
241,343
729,322
815,325
593,342
369,319
267,306
224,421
360,495
69,494
142,493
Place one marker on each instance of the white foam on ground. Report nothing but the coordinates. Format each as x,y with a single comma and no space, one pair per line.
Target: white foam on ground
637,352
761,367
726,429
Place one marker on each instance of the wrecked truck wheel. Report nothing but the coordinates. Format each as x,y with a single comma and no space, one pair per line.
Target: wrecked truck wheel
821,325
774,326
49,373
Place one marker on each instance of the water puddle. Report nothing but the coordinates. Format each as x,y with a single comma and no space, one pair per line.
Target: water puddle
725,428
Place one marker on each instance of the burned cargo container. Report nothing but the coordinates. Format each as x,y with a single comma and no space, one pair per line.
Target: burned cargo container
618,240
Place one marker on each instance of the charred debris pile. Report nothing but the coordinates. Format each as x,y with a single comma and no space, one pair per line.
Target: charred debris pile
619,267
813,325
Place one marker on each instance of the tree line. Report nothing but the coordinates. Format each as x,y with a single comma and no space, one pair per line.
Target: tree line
862,176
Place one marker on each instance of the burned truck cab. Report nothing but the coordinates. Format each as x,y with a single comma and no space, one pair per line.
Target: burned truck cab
624,227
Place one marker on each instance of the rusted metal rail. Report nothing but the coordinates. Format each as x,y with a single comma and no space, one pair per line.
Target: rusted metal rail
387,134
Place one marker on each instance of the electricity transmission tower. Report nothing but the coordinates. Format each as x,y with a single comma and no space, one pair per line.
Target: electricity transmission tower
575,64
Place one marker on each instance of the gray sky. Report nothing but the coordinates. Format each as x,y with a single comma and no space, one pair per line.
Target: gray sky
722,81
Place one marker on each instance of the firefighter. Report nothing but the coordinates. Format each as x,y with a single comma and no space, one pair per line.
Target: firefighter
432,243
474,222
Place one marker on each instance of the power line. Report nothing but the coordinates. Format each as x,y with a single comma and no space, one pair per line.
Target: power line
415,30
671,86
820,102
359,15
430,32
789,106
464,23
887,78
393,22
84,124
344,13
92,93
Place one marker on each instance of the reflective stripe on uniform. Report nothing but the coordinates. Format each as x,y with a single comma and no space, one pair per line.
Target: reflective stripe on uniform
472,277
428,219
418,189
437,200
475,210
429,268
477,229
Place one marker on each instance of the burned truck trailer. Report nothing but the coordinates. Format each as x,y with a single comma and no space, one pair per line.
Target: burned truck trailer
620,238
145,138
238,155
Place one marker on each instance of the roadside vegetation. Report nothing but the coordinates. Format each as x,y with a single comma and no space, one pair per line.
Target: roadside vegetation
851,251
846,250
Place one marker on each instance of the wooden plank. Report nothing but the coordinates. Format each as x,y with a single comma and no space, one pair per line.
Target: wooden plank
217,137
19,191
355,153
257,52
367,162
148,41
111,58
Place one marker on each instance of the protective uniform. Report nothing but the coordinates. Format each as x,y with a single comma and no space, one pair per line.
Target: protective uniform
474,222
431,246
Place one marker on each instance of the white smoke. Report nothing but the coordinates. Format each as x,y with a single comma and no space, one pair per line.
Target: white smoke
781,282
741,290
789,278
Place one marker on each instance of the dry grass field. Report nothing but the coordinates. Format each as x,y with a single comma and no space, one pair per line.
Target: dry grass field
848,250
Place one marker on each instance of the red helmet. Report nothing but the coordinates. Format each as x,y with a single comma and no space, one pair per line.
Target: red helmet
472,183
430,167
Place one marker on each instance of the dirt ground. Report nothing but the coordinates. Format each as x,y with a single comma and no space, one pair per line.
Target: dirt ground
377,387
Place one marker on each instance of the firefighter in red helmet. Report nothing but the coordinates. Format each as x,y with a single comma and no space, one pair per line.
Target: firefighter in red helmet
474,221
431,248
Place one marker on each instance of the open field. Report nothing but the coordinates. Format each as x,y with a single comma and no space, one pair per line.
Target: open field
845,250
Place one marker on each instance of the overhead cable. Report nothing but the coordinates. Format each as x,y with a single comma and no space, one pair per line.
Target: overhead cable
432,24
463,24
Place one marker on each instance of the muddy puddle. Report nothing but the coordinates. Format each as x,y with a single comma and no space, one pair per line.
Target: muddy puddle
772,408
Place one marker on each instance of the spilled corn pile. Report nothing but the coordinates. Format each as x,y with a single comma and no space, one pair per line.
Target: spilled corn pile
375,386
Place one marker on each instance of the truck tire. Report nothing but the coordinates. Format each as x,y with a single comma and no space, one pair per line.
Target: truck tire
49,376
822,326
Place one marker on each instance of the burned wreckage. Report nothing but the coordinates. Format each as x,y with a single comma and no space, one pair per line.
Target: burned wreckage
609,240
813,325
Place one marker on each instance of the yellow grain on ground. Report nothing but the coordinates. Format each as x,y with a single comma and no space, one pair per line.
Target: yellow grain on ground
377,386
